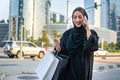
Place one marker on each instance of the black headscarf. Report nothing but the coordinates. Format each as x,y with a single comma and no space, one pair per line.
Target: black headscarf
81,10
77,35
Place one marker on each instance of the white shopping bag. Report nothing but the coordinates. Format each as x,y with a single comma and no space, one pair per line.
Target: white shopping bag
47,66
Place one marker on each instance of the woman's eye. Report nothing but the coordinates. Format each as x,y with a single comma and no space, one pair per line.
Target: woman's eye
80,17
74,17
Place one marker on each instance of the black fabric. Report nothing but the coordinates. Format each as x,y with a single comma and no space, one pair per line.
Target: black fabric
62,65
81,10
74,43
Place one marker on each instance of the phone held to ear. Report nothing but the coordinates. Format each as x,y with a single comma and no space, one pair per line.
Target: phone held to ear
83,24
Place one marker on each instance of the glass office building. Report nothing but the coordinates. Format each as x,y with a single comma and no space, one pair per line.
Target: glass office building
115,16
29,15
103,17
57,17
89,7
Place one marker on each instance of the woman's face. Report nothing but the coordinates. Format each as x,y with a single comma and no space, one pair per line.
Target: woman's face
78,18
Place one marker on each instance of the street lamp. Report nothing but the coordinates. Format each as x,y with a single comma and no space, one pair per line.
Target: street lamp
21,25
68,3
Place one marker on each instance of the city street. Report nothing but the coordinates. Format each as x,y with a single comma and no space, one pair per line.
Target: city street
30,28
112,74
16,69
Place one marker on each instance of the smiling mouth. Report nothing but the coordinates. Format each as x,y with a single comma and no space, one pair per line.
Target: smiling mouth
78,23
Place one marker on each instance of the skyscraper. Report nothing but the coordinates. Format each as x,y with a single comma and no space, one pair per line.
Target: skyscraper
89,7
32,15
115,17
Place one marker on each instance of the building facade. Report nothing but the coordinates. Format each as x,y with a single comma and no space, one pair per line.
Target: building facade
115,16
106,34
4,29
89,7
107,14
28,16
56,17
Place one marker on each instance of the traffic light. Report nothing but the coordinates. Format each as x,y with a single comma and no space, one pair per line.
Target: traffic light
95,5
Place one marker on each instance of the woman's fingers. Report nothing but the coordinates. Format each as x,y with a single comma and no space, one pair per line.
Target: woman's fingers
57,48
57,44
57,40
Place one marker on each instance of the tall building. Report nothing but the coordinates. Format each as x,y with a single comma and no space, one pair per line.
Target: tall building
101,16
56,17
115,16
105,15
4,28
89,7
28,16
94,14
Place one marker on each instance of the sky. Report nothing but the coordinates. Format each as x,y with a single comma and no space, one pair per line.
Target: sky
4,9
59,6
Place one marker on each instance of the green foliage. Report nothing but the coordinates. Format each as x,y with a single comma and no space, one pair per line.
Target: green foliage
45,38
2,21
30,39
61,22
54,20
111,47
7,20
39,42
113,51
118,45
106,46
55,33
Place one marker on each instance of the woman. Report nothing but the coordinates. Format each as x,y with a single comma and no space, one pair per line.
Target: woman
78,43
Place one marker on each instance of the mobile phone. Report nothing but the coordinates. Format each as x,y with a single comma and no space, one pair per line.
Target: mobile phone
84,23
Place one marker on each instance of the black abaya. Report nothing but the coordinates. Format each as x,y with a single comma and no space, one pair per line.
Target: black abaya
74,43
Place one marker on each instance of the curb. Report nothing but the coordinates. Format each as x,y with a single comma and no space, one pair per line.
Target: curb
108,67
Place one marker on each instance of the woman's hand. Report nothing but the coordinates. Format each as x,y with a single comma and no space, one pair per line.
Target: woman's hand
85,21
57,44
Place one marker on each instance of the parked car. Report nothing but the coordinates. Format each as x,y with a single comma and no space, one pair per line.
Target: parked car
101,52
12,48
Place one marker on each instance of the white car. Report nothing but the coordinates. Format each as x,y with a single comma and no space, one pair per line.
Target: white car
100,52
12,48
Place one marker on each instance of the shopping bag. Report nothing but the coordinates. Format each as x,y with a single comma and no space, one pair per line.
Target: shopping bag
61,67
47,66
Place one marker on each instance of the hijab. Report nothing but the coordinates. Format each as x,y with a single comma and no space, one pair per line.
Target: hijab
77,35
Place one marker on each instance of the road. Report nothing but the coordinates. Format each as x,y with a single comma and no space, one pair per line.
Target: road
107,68
113,74
16,69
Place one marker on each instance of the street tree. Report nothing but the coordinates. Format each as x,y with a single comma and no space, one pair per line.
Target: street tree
2,21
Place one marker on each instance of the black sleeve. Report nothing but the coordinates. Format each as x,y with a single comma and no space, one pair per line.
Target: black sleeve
92,43
63,45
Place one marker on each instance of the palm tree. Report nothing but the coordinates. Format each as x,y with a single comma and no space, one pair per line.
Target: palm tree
45,37
55,33
2,21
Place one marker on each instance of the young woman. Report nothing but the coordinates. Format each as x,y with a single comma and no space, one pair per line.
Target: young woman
78,43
